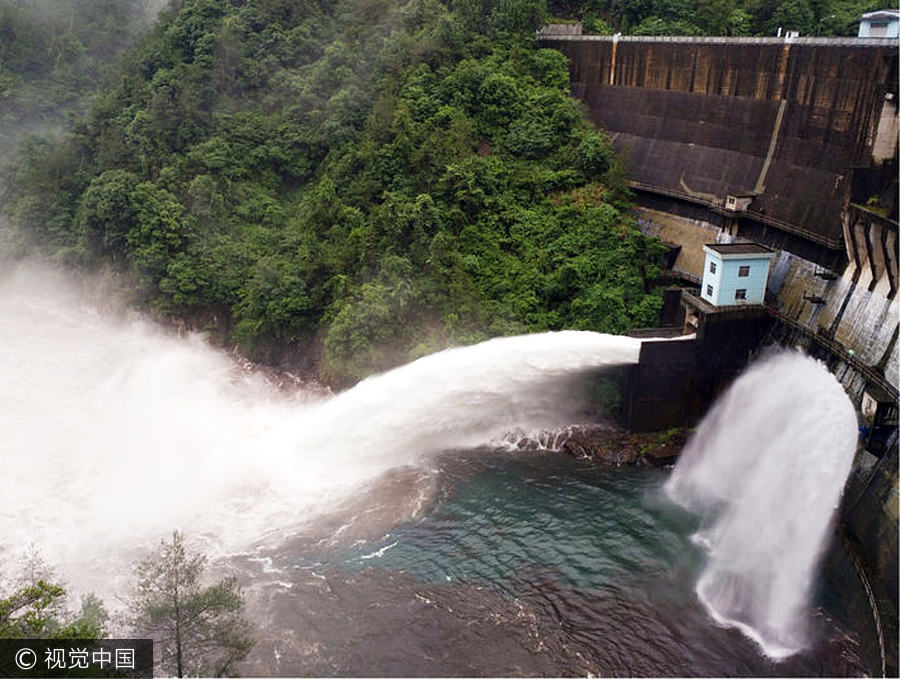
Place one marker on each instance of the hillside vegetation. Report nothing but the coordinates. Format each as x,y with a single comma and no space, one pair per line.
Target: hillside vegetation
55,53
348,183
718,17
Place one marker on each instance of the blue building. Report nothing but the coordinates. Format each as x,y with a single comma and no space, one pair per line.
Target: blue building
735,273
885,23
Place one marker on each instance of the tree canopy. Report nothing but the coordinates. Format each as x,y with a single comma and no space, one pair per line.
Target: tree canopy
54,54
716,17
355,182
198,630
34,606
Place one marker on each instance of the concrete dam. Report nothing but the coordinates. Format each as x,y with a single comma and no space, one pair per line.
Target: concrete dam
790,143
792,130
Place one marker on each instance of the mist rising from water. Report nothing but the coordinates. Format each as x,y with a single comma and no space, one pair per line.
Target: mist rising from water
766,469
112,433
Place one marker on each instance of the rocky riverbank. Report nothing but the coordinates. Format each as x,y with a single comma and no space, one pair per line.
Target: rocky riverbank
608,445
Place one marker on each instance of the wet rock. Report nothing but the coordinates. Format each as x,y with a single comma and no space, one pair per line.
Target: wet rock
607,445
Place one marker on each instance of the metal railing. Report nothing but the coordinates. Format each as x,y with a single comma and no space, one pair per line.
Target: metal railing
718,207
721,40
871,375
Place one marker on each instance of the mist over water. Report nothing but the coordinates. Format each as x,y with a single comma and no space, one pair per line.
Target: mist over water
112,432
390,529
766,470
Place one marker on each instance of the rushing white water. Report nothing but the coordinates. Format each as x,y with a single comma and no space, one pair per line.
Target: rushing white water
112,433
767,469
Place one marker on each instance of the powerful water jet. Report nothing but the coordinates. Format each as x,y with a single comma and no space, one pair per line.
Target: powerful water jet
766,469
114,432
132,432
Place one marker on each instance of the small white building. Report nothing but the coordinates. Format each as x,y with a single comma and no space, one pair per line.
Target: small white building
735,273
885,23
738,203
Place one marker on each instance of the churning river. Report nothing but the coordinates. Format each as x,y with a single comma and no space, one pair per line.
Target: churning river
389,530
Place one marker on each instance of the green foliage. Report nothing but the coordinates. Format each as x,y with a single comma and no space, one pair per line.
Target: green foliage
363,180
716,17
30,611
594,156
106,212
358,337
54,54
520,16
36,608
794,15
654,25
198,630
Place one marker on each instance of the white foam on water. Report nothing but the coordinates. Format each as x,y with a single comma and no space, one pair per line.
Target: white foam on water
113,432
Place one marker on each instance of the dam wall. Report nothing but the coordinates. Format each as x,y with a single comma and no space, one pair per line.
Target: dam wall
852,318
796,129
792,143
676,382
849,320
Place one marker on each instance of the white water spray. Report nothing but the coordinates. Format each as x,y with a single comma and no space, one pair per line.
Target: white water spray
113,433
767,468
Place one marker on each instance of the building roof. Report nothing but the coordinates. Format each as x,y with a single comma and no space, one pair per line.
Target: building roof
556,30
883,14
739,249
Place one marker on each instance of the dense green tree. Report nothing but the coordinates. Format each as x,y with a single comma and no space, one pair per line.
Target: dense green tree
107,212
37,611
198,630
594,156
520,16
55,53
654,25
34,607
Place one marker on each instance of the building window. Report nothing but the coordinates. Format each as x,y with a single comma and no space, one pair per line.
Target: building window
743,271
740,293
709,290
878,29
712,267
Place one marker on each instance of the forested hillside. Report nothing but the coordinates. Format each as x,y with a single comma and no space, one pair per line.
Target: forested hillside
356,182
718,17
55,53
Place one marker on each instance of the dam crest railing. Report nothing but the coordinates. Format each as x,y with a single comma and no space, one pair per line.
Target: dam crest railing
722,40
